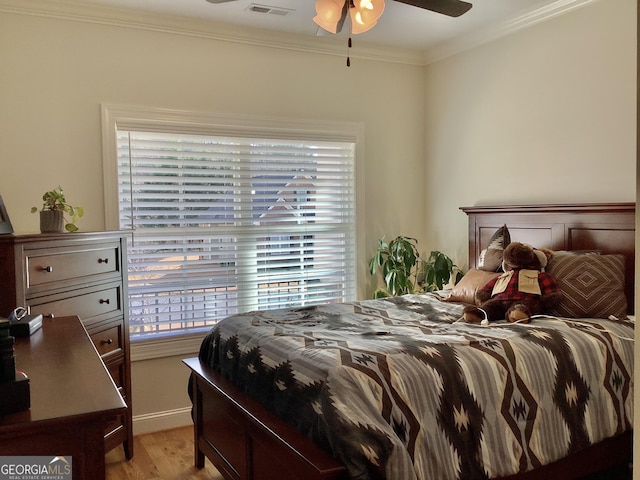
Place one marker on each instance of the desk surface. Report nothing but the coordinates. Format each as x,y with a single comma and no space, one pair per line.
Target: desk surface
67,377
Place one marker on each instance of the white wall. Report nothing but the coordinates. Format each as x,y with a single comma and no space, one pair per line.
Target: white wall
544,115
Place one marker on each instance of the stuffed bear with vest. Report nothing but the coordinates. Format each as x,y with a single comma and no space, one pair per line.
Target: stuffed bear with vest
523,290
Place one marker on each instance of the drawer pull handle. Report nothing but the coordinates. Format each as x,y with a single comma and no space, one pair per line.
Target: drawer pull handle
103,260
48,268
104,301
108,341
49,315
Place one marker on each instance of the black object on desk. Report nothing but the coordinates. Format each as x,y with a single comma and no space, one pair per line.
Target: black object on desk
14,386
26,325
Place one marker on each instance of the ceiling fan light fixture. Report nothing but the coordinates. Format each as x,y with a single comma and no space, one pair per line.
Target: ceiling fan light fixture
330,14
365,14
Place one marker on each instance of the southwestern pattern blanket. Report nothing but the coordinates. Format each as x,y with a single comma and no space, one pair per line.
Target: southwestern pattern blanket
398,388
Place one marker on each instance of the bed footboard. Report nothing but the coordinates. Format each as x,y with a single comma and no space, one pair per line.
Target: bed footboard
246,442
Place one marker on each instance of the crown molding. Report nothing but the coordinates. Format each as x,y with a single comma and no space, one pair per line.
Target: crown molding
503,29
82,11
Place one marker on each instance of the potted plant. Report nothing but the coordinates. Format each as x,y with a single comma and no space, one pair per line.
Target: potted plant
405,272
437,271
52,213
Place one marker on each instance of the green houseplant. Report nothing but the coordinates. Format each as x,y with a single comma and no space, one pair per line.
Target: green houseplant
404,271
437,271
53,211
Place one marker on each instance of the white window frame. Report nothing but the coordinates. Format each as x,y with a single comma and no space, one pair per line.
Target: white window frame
119,116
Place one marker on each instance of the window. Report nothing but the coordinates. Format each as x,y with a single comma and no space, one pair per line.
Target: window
228,219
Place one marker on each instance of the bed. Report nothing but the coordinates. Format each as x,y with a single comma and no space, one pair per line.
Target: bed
445,399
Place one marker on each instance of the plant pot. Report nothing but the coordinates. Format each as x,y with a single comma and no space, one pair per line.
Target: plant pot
51,221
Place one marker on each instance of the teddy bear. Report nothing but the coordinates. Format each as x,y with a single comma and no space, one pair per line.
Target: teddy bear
523,290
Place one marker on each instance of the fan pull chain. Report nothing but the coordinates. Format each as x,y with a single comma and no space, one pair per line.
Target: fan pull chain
349,49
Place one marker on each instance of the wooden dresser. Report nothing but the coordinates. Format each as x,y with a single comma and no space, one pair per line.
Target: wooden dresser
81,274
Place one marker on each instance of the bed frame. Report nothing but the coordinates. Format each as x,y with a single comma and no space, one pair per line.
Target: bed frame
244,441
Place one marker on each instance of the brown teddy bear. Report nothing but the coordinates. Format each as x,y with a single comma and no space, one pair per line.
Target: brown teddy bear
522,291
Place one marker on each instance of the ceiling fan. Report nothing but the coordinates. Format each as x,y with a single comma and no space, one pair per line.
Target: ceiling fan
451,8
364,14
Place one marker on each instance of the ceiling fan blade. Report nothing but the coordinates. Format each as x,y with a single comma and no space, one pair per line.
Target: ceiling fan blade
452,8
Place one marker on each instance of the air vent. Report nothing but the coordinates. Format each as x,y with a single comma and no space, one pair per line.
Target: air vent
269,10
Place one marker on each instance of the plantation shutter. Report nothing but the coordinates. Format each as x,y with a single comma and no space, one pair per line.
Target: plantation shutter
226,224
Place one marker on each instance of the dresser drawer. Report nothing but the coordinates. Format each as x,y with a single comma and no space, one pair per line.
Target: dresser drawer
117,371
87,303
109,340
117,427
50,267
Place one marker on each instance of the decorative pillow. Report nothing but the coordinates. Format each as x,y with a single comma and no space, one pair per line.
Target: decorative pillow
592,285
491,257
465,290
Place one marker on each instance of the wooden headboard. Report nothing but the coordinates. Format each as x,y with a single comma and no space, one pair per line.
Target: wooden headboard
607,227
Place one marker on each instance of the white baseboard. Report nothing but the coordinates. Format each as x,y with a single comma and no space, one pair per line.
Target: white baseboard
154,422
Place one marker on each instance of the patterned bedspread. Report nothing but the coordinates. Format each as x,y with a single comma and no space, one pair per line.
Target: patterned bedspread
398,389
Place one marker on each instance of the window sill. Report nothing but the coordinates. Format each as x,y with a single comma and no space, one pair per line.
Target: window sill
179,345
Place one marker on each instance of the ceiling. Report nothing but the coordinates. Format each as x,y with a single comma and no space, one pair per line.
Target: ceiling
401,25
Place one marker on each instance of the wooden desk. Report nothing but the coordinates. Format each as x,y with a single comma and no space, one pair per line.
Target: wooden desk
72,399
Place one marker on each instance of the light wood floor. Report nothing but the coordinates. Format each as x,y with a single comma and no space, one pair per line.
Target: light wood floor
166,455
